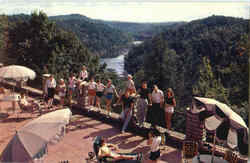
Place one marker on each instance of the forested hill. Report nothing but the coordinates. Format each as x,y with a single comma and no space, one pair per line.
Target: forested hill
142,31
109,38
38,43
207,57
99,37
105,38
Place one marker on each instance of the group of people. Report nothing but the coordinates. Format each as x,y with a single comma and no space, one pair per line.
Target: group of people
141,102
150,104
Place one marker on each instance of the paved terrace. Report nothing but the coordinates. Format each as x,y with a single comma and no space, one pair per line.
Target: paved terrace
83,128
80,133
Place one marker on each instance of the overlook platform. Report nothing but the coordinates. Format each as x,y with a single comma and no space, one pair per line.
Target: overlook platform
87,124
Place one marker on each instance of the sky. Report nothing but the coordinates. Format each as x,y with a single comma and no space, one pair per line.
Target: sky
131,10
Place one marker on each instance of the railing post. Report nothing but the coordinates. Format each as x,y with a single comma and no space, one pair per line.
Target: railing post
82,100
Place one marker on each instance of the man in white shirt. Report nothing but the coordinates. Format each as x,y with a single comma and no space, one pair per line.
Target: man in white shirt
51,89
155,112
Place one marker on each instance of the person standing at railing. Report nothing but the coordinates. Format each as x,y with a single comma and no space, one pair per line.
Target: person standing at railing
91,91
130,85
170,103
142,104
71,86
127,108
61,88
155,112
51,89
109,93
99,93
83,74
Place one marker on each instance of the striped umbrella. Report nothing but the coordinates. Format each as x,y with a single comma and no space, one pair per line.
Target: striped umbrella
227,124
17,72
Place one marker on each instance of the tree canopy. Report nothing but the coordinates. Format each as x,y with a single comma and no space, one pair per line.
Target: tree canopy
39,44
206,57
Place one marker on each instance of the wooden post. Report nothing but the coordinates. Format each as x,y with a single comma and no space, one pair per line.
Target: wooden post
212,160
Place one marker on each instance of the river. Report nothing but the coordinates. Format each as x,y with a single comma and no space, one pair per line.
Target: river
117,63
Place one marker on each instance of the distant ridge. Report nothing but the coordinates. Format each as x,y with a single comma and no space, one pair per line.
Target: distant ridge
105,38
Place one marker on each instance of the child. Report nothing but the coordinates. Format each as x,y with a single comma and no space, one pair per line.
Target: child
154,139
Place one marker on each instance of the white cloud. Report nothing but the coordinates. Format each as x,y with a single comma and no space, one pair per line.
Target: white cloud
128,10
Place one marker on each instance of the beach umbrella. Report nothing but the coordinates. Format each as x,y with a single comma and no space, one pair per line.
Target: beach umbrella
30,142
17,72
227,124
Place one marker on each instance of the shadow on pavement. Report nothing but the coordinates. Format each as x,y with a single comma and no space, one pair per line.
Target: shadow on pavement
174,156
130,144
106,133
81,126
9,120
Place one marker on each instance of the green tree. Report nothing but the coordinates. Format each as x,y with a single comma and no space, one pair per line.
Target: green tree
208,85
46,45
3,38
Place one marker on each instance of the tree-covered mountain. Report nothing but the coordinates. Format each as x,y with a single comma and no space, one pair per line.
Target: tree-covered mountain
98,37
3,37
207,57
142,31
105,38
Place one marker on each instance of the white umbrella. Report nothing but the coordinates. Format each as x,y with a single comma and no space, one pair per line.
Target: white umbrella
31,141
228,125
17,72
